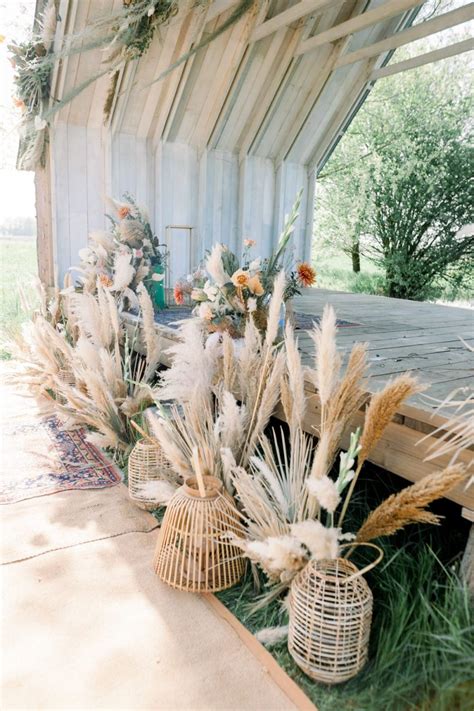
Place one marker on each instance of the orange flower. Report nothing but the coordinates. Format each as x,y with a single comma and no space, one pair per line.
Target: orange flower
249,242
255,286
123,212
178,294
306,274
240,278
19,103
105,280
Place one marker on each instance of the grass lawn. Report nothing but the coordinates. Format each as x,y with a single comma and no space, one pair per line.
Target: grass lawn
18,267
335,272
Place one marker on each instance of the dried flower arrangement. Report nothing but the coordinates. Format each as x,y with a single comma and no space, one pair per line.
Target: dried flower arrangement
294,509
224,395
120,260
226,291
107,384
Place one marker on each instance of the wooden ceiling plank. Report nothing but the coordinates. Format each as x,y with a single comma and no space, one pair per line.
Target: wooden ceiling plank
228,74
292,14
198,33
427,58
168,40
218,7
173,86
259,74
424,29
355,24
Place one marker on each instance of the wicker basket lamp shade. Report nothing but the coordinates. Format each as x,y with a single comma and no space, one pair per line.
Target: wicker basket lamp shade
191,553
146,464
330,620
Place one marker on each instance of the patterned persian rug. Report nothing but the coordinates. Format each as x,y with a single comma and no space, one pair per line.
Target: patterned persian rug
41,458
303,322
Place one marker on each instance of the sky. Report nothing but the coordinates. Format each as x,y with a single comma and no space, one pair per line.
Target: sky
17,197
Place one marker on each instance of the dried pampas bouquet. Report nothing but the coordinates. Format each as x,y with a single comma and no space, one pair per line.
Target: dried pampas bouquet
223,395
294,507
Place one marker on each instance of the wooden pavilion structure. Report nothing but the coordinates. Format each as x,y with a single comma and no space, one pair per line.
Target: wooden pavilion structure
218,149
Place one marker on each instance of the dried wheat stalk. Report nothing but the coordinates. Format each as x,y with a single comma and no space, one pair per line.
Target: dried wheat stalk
408,506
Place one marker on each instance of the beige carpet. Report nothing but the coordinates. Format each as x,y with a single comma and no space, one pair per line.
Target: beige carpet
66,519
87,625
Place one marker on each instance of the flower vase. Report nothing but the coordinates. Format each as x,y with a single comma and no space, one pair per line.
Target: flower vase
156,287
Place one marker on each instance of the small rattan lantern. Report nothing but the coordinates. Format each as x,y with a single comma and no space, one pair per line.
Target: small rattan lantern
146,464
330,619
193,551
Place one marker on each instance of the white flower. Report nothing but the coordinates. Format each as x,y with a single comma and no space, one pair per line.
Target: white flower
255,264
277,554
86,254
210,291
151,10
325,491
157,277
252,305
40,123
205,311
321,542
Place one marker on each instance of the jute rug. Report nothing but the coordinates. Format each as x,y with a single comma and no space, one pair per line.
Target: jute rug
40,458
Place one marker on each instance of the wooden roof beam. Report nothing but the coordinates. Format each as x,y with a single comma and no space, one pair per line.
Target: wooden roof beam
427,58
355,24
285,18
424,29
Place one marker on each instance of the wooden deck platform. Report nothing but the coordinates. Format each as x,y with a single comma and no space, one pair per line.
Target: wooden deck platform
402,335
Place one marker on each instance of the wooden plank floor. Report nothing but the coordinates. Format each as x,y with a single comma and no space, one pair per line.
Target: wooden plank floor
401,335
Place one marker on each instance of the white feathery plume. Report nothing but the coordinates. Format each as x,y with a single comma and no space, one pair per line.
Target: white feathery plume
48,24
327,359
214,266
103,239
152,340
321,542
325,491
193,367
295,378
270,636
156,490
274,308
123,272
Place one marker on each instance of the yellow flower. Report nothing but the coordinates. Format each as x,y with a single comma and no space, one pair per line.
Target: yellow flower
240,278
255,285
2,39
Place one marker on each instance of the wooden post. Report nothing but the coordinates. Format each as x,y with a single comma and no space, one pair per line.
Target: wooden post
44,234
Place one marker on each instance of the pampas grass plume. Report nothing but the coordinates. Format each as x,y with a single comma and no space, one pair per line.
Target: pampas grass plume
408,506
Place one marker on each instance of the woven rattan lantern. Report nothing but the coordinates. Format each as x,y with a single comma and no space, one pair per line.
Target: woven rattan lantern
330,619
146,465
193,551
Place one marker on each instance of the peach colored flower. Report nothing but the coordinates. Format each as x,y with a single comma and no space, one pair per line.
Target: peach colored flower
19,103
306,274
249,243
240,278
123,212
105,280
255,286
178,295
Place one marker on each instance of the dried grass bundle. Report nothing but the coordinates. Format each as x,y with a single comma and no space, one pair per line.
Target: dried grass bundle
409,505
382,408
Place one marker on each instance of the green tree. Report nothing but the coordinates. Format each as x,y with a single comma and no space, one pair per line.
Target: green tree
399,185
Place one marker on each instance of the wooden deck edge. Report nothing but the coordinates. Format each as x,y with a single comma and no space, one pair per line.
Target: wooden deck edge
289,687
